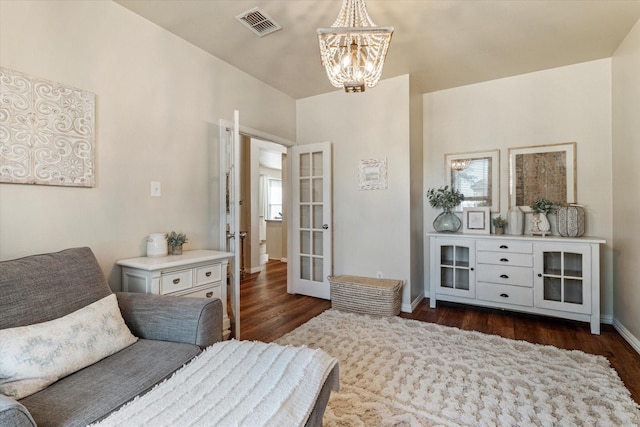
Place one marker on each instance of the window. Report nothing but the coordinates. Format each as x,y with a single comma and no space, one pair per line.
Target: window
274,198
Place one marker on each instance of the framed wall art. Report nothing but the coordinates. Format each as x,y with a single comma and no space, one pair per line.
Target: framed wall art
372,174
544,171
477,176
48,132
476,220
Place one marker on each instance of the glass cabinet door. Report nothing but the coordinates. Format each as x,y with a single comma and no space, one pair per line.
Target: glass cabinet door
456,264
563,278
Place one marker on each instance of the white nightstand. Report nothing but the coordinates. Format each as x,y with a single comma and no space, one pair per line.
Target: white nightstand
198,273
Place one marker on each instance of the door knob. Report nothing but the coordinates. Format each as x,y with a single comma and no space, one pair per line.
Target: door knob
325,226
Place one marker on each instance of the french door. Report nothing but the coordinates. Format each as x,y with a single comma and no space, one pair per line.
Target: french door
311,237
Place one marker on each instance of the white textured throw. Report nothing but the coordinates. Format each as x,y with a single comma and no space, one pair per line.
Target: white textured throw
234,383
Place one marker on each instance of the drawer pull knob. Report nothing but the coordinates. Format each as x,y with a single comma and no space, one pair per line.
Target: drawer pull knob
504,260
539,274
471,269
504,295
504,247
176,281
504,276
209,294
208,274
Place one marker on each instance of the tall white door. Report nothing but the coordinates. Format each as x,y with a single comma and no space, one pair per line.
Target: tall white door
311,248
230,202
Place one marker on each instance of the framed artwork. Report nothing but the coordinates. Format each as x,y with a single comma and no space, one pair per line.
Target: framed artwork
477,176
476,220
544,171
48,132
372,174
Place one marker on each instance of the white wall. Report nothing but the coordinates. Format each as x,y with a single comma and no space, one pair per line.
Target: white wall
158,98
626,176
371,229
564,104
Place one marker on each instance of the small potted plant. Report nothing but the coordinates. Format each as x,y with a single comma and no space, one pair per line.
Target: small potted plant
175,241
447,199
499,223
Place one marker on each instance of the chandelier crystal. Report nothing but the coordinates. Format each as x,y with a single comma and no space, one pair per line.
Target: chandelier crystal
353,49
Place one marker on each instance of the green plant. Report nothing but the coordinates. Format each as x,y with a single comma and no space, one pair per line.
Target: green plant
444,197
499,222
177,239
543,206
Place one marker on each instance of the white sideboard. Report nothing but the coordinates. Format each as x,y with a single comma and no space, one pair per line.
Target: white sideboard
552,276
198,273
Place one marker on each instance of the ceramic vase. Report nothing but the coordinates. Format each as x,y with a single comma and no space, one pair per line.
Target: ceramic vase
447,222
516,221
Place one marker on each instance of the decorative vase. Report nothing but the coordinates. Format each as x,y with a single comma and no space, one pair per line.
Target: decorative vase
570,221
540,224
176,250
516,221
544,225
499,230
447,222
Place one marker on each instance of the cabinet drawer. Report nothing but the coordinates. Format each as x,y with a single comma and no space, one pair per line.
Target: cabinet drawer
505,246
505,274
506,294
208,274
212,292
501,258
175,281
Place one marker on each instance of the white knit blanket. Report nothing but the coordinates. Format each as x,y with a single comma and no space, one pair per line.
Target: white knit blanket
234,383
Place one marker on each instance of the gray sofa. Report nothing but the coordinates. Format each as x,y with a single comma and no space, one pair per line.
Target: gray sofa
172,331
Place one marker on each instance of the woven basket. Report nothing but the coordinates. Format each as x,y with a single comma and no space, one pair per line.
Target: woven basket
366,295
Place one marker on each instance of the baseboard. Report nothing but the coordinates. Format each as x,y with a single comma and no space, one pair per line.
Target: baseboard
254,270
628,336
607,319
408,308
283,260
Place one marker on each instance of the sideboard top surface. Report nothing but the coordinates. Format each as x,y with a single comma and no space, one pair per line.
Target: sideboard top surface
527,237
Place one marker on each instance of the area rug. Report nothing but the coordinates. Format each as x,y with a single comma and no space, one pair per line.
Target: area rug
400,372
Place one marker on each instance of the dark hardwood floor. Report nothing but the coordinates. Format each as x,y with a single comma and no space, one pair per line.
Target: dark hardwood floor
267,312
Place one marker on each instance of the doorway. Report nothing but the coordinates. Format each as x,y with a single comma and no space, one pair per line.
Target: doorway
263,207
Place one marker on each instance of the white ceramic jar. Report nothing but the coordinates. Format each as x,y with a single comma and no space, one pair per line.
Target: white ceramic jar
157,244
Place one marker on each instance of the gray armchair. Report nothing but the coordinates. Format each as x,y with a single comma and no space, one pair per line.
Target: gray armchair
172,330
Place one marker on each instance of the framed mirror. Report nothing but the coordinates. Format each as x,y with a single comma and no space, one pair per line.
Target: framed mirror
543,171
477,176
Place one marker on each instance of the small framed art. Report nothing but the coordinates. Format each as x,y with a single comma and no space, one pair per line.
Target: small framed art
476,220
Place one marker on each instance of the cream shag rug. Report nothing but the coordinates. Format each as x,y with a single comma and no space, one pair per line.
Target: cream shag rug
400,372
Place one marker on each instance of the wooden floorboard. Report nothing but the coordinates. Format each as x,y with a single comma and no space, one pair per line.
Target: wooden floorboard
267,312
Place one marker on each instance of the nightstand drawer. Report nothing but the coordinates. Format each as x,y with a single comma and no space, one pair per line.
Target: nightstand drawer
499,258
212,292
505,274
208,274
175,281
516,295
505,246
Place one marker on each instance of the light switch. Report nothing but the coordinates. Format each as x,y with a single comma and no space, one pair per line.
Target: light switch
156,190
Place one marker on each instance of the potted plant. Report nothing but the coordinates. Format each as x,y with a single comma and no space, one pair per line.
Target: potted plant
541,208
447,199
499,223
175,241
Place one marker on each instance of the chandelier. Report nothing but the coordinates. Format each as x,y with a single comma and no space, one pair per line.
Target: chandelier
460,164
353,48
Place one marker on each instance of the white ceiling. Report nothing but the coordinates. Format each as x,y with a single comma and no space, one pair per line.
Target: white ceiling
441,43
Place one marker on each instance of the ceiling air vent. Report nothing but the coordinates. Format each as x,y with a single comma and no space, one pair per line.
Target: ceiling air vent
258,22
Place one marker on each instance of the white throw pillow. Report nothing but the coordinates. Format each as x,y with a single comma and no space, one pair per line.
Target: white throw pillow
35,356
